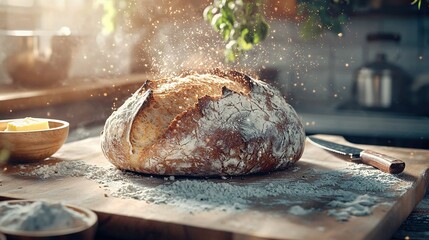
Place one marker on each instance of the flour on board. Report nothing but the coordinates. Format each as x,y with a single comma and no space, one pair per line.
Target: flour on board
352,191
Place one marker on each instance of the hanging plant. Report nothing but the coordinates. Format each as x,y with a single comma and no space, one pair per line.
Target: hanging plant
241,24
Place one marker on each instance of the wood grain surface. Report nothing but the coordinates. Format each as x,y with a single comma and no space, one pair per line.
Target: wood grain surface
136,219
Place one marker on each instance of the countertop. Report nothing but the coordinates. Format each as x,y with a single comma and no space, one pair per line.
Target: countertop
371,128
182,208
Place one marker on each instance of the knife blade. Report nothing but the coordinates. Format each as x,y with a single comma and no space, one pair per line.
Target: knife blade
381,161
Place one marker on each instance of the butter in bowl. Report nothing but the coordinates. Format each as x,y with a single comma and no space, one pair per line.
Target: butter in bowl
39,219
31,139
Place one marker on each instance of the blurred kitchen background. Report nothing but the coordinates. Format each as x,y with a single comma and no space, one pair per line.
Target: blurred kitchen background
368,82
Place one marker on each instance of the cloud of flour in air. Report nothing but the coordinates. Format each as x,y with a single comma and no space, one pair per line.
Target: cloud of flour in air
175,37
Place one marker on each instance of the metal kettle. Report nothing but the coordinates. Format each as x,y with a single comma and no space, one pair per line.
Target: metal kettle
382,85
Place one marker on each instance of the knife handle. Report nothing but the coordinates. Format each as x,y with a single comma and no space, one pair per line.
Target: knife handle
383,162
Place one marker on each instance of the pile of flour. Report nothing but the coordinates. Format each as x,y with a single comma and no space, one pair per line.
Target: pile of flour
352,191
38,216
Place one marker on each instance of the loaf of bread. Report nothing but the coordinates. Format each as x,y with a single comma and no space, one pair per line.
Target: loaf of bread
216,123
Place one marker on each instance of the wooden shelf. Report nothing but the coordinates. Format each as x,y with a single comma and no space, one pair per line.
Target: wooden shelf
13,98
79,101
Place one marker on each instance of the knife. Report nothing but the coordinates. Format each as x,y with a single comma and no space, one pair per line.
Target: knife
381,161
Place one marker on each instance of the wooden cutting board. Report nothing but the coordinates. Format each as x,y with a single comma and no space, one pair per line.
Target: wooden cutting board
265,216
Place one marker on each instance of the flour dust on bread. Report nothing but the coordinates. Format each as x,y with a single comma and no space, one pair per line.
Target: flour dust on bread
216,123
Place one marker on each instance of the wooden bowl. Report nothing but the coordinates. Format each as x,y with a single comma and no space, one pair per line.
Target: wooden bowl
30,146
84,228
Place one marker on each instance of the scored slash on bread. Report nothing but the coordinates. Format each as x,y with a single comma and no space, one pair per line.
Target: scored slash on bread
204,124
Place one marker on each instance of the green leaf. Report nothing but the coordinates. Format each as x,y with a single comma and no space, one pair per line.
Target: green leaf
217,21
225,29
241,24
247,35
261,32
245,41
231,44
208,14
228,15
232,34
231,51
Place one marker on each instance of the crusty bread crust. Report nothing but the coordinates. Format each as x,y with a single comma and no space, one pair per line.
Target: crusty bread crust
207,124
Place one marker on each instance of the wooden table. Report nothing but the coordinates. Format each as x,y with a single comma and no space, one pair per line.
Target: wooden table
416,226
136,219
